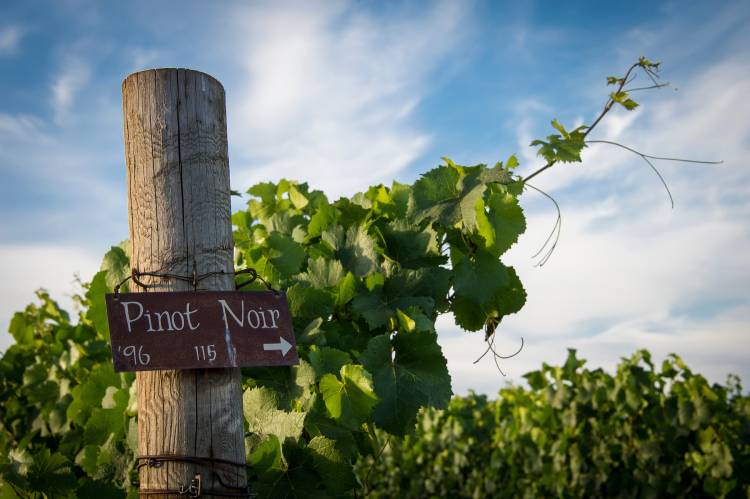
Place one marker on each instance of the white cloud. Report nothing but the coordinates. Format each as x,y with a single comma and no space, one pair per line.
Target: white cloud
10,39
712,348
74,75
328,92
144,58
629,272
31,149
19,127
25,268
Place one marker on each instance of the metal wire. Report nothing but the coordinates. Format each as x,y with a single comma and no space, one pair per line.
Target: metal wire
194,489
156,460
193,279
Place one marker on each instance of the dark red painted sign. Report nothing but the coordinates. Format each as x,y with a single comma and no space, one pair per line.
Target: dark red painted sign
203,329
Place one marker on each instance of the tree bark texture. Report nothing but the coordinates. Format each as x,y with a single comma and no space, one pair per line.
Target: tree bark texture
180,223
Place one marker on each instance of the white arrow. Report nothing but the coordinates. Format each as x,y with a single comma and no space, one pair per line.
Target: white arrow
282,346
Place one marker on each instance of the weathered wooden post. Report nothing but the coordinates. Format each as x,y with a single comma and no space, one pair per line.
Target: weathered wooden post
179,218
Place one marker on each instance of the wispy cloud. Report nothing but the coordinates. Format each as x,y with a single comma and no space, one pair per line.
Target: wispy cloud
49,185
713,347
329,92
143,58
74,75
10,39
629,272
334,93
18,127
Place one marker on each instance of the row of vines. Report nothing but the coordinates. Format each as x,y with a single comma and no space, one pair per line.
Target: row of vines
366,278
647,430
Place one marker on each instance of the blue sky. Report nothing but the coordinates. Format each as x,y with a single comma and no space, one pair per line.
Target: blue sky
347,94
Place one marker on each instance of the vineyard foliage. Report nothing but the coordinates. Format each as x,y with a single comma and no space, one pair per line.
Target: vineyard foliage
646,431
366,278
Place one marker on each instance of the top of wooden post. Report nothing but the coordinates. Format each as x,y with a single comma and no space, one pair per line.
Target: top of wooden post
166,70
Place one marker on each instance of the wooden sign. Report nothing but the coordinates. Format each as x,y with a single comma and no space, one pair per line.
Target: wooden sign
203,329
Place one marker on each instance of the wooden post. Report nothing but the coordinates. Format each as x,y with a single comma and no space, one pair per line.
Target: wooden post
179,217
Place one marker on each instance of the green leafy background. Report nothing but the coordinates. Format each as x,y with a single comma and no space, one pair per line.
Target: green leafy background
366,278
646,431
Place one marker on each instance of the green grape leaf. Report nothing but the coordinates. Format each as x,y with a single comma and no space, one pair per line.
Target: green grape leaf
358,253
297,479
266,191
308,303
51,474
425,288
297,198
97,312
285,254
479,278
346,289
448,195
350,213
408,372
405,322
323,273
500,222
508,300
372,308
116,264
265,418
287,223
266,455
327,360
556,124
106,421
411,246
349,400
403,200
468,313
87,459
624,100
485,288
311,333
242,220
323,217
439,185
291,384
22,331
565,148
91,391
334,469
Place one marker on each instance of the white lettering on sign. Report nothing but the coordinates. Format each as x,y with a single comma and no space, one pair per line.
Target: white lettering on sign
138,356
164,320
200,329
256,319
126,306
205,352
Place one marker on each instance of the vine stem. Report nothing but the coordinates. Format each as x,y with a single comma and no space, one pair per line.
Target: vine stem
662,158
607,108
647,157
623,82
555,232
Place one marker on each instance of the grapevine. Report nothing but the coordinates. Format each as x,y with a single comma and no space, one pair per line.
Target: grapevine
366,278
